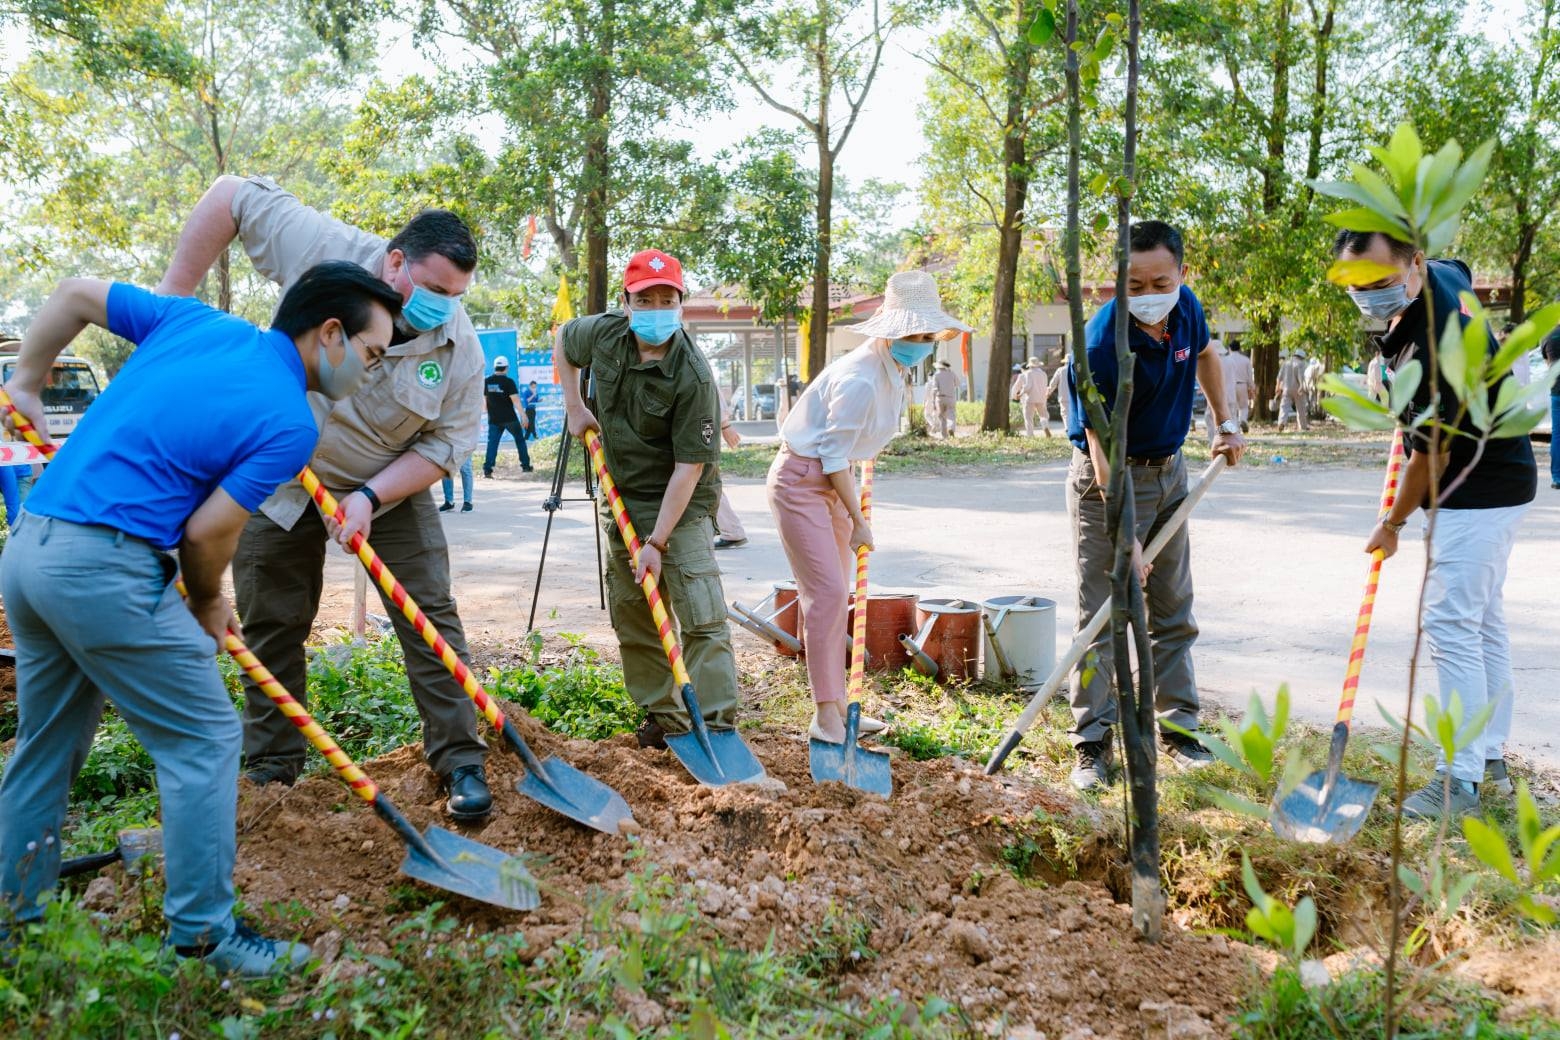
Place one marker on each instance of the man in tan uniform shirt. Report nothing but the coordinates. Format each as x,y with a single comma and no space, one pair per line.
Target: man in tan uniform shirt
943,388
1034,387
412,423
1290,391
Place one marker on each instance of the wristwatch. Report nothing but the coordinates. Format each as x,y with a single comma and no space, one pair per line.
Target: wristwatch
1394,527
1230,426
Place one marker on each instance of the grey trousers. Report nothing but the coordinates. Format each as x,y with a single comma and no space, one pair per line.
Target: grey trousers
1171,627
96,617
278,576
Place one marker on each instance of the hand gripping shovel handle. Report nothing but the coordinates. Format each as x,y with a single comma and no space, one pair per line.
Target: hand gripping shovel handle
26,429
1351,678
1086,635
425,628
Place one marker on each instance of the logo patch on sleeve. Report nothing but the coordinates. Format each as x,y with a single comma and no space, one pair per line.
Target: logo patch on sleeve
707,431
1183,353
430,374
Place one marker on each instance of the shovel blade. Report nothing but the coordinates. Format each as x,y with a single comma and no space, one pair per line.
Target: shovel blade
572,793
713,756
1313,814
721,757
849,763
473,870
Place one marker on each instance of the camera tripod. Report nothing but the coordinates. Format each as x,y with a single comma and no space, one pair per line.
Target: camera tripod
554,502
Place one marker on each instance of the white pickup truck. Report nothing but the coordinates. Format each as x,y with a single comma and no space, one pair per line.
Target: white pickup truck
71,387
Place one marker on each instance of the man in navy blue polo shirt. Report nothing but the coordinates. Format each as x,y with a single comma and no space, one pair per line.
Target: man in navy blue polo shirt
1169,339
160,463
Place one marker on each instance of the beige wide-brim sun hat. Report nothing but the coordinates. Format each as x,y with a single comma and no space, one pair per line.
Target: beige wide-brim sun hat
911,306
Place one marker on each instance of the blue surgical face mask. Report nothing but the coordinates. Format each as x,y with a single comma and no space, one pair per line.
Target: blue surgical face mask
339,382
426,310
1383,304
655,327
910,353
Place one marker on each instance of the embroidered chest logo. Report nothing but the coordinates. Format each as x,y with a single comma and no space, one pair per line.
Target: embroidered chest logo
1183,353
430,374
707,431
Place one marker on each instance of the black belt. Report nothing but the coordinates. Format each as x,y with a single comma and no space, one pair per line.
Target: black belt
1156,463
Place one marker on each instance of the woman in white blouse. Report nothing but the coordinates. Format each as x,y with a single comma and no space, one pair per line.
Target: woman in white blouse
848,414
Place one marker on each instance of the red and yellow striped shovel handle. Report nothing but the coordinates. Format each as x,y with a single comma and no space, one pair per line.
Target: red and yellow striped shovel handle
1351,678
663,621
405,604
858,638
347,769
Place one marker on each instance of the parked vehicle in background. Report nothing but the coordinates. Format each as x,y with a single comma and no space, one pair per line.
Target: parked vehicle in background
764,401
71,387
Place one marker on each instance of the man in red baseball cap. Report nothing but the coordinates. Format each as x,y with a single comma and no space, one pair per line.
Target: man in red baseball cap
658,411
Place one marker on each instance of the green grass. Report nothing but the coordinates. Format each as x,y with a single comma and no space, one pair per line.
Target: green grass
583,697
644,964
1351,1009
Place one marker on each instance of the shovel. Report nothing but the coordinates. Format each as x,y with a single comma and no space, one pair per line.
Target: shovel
1086,635
1328,806
437,857
849,763
131,846
553,782
713,756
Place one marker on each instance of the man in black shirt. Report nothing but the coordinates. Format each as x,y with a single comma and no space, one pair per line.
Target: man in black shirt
1481,502
502,397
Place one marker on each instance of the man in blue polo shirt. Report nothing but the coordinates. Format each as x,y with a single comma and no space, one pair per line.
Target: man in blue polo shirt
160,463
1169,339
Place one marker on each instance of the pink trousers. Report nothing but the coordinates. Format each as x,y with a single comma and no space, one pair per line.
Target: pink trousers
815,531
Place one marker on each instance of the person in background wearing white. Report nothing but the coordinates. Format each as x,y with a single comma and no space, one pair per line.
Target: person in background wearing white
848,414
1034,388
730,534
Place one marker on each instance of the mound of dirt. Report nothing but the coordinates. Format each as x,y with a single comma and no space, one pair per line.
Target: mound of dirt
923,870
7,672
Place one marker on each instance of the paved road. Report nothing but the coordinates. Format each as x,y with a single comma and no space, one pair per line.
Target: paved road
1277,564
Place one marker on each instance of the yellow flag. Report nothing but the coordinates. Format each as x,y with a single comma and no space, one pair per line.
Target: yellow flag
803,331
562,310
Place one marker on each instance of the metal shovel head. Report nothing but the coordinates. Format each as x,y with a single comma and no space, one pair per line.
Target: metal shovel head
472,869
714,756
849,763
566,790
1313,814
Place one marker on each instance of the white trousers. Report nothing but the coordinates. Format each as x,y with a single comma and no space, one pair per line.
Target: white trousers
1465,624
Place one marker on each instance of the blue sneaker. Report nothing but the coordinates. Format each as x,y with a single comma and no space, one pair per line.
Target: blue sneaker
247,953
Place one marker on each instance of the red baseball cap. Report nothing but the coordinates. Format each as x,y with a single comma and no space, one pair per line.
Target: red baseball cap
653,267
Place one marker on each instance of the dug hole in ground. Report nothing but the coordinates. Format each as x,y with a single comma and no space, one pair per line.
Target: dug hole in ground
945,916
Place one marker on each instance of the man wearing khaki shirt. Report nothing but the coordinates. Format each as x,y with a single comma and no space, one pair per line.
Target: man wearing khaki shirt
412,423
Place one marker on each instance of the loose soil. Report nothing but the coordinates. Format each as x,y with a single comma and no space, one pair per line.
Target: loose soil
923,870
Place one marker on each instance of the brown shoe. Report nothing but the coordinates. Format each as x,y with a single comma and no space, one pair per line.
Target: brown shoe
651,735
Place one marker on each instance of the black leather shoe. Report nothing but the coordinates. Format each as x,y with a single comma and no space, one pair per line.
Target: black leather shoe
446,507
263,773
730,543
470,799
651,735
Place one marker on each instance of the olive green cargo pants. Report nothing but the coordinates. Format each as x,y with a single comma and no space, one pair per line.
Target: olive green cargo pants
690,588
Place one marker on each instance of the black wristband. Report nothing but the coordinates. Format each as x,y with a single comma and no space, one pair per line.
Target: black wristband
373,499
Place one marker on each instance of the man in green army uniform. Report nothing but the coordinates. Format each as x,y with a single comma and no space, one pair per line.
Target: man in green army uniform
659,417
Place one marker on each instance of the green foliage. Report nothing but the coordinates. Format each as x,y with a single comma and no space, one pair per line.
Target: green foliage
116,766
1540,856
582,698
1289,930
1351,1009
768,244
360,695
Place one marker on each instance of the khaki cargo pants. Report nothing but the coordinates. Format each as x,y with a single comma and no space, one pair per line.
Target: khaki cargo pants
691,589
278,577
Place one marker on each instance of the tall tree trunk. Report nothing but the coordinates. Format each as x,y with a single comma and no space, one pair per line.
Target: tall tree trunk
818,320
1264,362
1527,233
1010,241
1264,355
598,171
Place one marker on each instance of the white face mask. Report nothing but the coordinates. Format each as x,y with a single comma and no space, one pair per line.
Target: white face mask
1151,309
